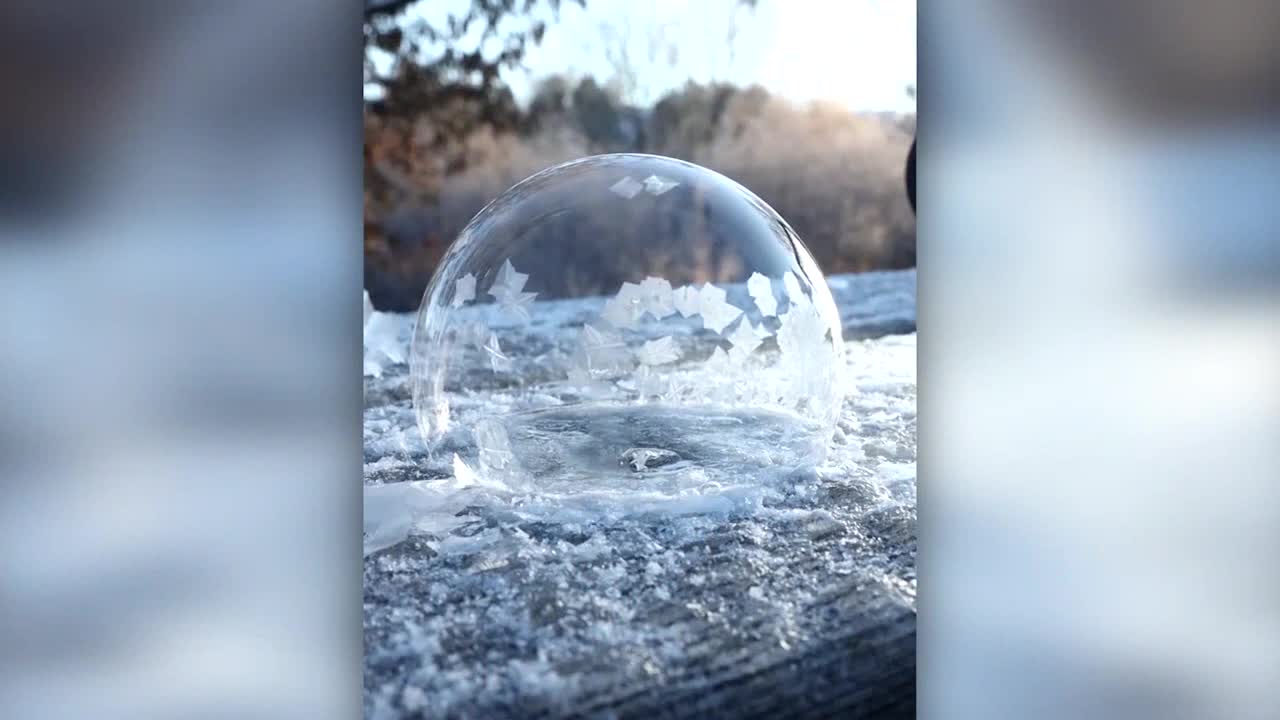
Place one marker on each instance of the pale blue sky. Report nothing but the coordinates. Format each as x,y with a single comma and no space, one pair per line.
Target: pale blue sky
858,53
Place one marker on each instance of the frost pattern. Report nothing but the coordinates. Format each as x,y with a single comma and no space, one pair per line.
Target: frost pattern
508,291
464,290
761,291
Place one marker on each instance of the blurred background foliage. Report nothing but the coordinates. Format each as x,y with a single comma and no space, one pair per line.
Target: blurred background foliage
445,133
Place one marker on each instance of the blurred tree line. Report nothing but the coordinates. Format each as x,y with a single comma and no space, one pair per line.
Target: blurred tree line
444,135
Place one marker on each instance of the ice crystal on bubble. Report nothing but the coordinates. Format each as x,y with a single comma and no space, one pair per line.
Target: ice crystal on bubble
658,352
761,291
651,383
801,325
716,312
626,187
597,354
745,339
718,361
464,290
508,291
655,185
497,358
624,309
686,300
795,295
656,297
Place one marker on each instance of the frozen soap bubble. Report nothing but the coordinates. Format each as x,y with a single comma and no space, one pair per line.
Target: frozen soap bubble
628,321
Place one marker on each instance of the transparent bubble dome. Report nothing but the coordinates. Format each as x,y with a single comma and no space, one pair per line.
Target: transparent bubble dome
626,320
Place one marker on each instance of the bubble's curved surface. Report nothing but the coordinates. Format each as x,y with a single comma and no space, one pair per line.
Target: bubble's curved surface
705,339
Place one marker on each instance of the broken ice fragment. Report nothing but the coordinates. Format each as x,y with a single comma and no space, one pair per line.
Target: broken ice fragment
655,297
761,291
497,359
686,300
368,307
658,185
464,290
626,187
646,458
658,352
